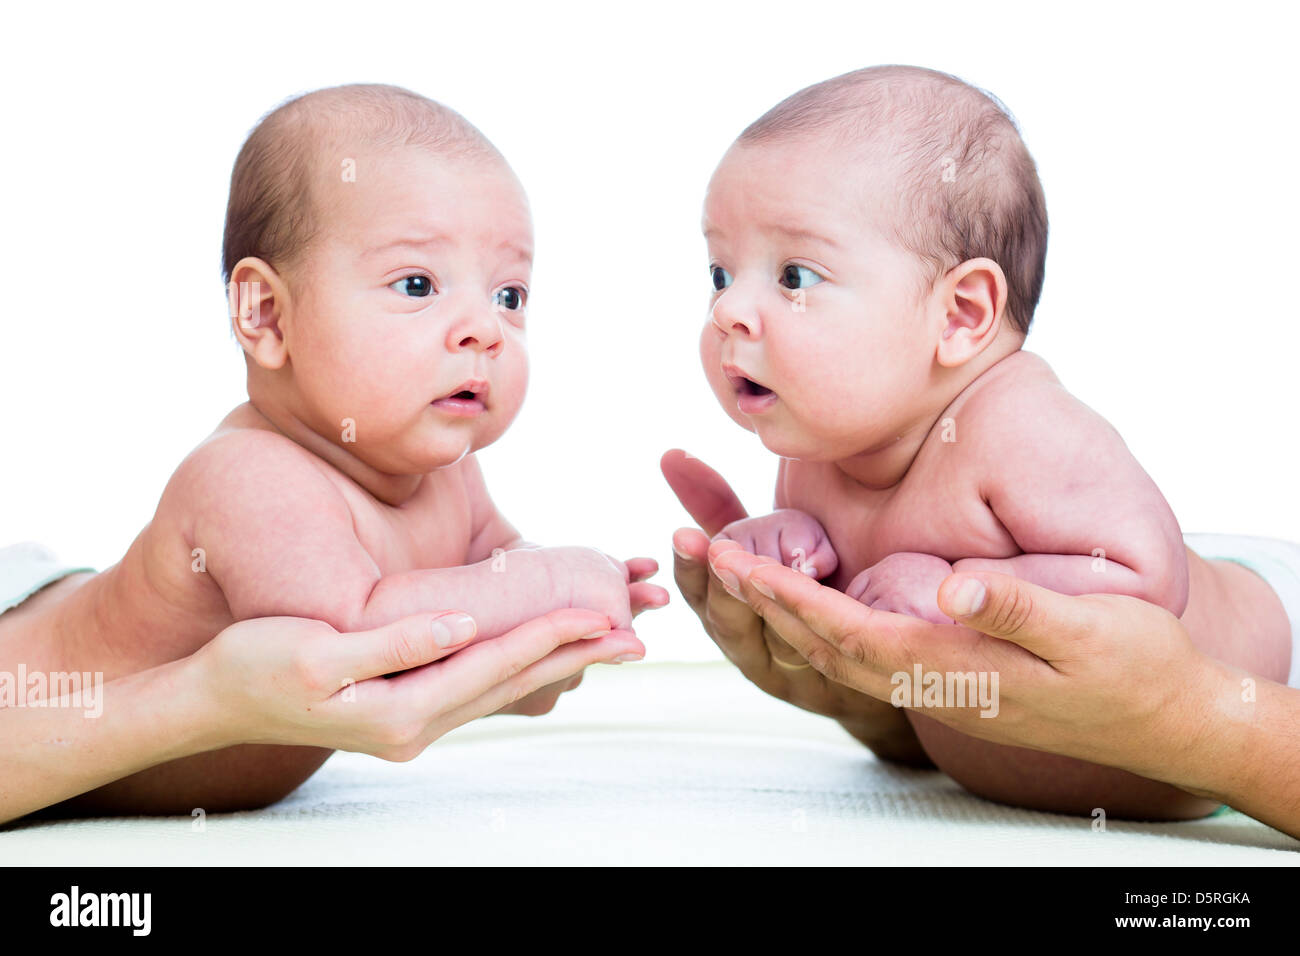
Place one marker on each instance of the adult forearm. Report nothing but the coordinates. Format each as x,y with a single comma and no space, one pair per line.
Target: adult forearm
1247,750
51,753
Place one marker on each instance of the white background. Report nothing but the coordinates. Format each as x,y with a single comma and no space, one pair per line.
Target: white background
1164,135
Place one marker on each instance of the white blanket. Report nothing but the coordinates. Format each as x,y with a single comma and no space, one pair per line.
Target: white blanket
644,764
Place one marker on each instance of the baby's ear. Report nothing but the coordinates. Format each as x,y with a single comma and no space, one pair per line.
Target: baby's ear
258,299
973,298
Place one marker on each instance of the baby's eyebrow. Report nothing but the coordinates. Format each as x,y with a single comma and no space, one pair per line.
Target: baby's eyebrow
407,243
790,232
522,250
806,234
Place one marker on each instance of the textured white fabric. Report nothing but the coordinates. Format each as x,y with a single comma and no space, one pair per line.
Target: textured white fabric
27,567
1275,560
644,764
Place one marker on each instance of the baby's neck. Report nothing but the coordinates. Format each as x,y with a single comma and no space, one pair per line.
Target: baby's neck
885,465
394,490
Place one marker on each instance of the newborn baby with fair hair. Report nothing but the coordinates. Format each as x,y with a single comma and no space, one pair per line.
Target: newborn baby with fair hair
378,253
877,245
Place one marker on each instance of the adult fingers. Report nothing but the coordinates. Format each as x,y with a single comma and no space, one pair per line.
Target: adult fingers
561,663
1044,622
479,668
732,623
856,645
704,493
397,646
794,607
690,568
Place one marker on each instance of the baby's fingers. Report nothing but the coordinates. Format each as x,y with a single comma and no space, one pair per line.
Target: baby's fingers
817,559
638,569
643,596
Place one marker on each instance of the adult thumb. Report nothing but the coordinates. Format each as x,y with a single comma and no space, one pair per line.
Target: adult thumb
704,493
1038,619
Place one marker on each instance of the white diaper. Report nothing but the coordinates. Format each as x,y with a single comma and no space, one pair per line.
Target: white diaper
1274,560
26,568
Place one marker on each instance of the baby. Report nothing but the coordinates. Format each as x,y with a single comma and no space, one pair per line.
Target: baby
877,246
378,253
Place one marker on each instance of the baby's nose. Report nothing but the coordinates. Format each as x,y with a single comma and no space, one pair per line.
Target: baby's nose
733,317
477,330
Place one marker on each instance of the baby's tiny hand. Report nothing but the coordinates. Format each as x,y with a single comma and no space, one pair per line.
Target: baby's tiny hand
790,536
904,583
587,578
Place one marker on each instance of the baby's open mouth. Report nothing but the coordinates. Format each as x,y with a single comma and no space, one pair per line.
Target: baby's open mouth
751,397
469,398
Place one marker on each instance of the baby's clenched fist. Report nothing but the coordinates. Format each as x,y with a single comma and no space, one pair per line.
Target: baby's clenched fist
793,537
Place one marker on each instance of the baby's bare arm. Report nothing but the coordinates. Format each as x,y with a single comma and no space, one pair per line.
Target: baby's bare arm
279,540
490,531
1062,482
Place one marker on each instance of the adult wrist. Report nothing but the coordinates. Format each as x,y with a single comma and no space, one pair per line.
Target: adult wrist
1197,747
202,719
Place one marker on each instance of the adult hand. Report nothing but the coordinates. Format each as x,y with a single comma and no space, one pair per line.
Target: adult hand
755,645
642,595
1106,678
299,682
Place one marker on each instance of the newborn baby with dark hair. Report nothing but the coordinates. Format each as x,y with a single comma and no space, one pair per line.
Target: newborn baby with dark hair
877,246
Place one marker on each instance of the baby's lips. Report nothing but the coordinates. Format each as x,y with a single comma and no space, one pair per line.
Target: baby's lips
737,376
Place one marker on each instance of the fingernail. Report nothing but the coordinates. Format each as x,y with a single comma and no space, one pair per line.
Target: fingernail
680,553
453,629
730,582
594,634
968,598
762,589
623,658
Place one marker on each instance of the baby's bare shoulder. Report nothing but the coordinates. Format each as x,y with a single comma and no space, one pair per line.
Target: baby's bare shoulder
1044,461
251,472
1019,407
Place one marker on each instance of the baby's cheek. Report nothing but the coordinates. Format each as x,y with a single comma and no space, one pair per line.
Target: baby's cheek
337,383
710,345
509,388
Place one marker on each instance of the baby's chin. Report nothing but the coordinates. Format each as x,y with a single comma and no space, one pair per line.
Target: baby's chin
447,449
795,443
425,450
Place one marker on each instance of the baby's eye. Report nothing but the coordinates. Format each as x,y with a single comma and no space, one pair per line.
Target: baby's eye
416,286
510,299
720,276
798,277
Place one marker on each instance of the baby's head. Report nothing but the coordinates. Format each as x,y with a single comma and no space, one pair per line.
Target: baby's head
378,252
875,242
